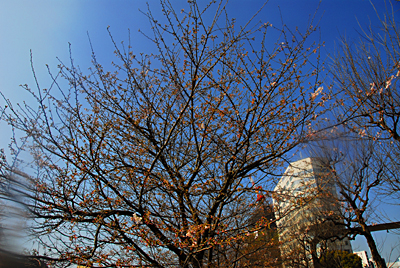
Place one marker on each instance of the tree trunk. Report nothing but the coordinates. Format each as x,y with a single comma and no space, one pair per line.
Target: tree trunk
315,259
379,261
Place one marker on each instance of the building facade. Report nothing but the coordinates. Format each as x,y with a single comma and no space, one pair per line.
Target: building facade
305,201
364,259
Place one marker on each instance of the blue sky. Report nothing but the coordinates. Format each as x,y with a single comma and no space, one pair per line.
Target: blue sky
48,26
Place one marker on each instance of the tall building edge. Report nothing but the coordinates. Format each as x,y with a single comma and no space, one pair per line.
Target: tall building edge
306,202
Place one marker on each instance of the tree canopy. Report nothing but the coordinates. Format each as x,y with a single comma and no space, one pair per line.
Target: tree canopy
340,259
150,163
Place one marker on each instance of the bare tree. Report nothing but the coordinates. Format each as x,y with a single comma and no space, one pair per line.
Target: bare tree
366,74
358,176
148,165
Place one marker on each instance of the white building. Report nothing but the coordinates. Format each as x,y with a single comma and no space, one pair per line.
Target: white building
395,264
305,197
364,258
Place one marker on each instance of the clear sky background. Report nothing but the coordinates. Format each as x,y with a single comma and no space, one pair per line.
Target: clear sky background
48,26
